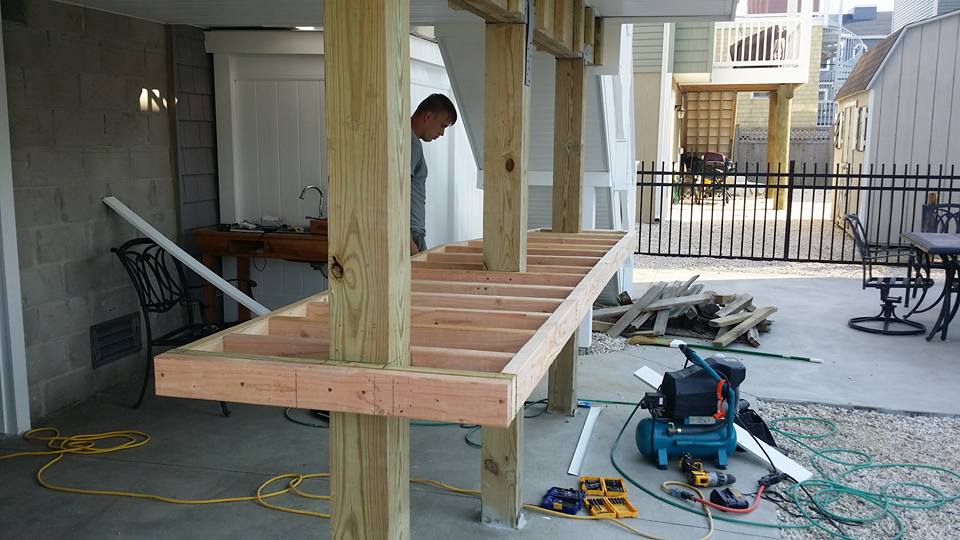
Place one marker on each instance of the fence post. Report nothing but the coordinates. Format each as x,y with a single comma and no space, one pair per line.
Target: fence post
791,169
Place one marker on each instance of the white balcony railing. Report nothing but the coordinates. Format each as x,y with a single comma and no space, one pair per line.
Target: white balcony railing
775,42
767,50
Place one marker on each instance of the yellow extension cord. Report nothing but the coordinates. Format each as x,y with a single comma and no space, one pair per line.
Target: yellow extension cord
60,446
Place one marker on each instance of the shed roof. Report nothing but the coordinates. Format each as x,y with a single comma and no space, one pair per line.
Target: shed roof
872,61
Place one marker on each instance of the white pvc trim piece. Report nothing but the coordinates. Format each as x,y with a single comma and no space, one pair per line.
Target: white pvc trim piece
184,257
744,440
577,462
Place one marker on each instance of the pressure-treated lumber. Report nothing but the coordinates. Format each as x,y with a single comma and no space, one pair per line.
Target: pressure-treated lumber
727,337
562,380
778,143
367,107
506,149
500,11
641,304
568,145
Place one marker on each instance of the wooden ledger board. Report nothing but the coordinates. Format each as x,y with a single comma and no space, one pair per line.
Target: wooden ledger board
480,341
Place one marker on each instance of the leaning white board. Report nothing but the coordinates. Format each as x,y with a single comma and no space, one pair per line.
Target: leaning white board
744,440
184,257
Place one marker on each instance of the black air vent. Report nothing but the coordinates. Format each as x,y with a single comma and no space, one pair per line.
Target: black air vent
114,339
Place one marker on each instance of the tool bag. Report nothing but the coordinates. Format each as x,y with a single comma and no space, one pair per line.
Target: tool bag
749,420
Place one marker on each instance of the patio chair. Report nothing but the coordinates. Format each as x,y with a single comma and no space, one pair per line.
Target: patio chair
886,322
934,217
160,283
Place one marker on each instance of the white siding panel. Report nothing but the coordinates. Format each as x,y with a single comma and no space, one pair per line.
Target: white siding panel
906,110
540,206
888,108
947,6
268,148
923,96
943,90
247,173
908,11
288,150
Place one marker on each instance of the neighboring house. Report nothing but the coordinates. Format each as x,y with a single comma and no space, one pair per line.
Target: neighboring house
901,107
868,24
908,11
687,77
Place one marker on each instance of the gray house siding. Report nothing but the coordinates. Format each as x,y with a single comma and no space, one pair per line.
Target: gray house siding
908,11
692,46
647,48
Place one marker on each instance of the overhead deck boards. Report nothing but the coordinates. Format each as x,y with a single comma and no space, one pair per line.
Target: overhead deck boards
480,341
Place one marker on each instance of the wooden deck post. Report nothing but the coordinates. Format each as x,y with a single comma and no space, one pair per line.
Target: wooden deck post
507,106
778,142
368,150
567,186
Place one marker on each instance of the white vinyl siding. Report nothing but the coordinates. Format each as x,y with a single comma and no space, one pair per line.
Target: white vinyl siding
908,11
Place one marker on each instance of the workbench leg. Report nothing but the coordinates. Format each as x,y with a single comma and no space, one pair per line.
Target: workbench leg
211,309
500,475
562,380
243,278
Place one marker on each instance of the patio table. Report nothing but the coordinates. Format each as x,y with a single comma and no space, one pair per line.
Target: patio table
947,247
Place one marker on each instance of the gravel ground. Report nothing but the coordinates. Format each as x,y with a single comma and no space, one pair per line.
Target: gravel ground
888,438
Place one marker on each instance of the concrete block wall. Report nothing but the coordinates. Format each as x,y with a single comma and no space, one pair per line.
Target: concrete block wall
85,122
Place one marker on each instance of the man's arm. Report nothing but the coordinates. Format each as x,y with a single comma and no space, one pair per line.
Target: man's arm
413,246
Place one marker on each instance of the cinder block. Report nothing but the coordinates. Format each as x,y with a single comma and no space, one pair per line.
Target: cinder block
25,46
16,96
82,202
109,164
55,16
41,284
126,128
107,26
151,34
26,248
58,243
36,207
166,190
151,162
55,320
37,402
51,166
52,89
137,194
160,129
121,60
157,65
108,233
46,361
112,303
79,128
69,389
71,53
100,92
30,127
78,350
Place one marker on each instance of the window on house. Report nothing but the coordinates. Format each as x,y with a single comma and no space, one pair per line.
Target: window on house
761,95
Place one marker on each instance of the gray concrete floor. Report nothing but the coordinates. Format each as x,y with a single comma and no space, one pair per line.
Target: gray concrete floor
197,453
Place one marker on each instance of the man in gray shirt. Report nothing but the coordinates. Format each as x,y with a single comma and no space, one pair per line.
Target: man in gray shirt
433,116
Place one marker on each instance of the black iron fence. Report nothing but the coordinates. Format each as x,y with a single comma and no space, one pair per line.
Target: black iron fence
795,214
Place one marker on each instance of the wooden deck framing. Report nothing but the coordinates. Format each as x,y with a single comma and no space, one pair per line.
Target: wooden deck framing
479,341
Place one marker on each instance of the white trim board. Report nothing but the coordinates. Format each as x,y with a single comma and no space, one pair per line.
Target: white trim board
744,440
184,257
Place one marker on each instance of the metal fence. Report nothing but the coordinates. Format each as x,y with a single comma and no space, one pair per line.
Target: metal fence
737,216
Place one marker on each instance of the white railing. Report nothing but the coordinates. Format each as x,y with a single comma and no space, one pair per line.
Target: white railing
826,113
774,42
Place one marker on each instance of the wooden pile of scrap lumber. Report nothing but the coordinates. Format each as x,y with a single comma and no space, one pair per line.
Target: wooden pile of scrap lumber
687,310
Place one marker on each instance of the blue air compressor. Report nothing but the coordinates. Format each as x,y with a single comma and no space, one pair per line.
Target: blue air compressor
693,411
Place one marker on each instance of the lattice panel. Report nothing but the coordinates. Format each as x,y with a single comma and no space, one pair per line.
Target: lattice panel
709,121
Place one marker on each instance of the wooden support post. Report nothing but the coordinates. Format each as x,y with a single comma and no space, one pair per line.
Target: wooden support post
567,185
778,142
368,150
507,106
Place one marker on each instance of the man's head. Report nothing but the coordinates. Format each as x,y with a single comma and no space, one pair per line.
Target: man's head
433,116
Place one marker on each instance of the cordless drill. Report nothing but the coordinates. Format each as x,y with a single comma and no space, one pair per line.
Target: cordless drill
702,478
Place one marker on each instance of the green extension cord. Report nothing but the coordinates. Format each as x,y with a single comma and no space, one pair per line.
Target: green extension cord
827,489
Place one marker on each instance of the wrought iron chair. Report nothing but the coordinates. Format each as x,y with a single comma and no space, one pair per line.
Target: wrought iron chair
160,283
889,322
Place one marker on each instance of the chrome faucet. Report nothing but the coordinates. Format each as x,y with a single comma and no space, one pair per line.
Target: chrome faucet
320,206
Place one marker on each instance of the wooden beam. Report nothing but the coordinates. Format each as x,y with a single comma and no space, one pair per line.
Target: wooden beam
473,301
496,289
367,109
355,387
507,106
778,143
540,249
562,379
319,349
589,35
725,338
568,145
506,140
494,11
496,277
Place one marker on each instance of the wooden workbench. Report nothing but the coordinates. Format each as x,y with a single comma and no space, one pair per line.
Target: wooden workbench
480,341
215,244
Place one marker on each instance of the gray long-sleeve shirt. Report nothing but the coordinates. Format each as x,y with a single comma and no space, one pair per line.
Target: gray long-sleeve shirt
418,186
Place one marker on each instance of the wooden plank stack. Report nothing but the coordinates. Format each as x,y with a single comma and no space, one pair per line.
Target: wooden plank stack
686,310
